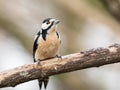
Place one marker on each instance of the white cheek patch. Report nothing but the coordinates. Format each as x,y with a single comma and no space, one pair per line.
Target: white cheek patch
45,26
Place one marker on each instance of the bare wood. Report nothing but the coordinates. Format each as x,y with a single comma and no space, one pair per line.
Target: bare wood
77,61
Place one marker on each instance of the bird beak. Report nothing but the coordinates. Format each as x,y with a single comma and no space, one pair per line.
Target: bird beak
57,21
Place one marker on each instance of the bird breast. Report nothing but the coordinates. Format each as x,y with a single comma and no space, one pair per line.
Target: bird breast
48,48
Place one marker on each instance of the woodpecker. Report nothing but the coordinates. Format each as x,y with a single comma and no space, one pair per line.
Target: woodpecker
46,44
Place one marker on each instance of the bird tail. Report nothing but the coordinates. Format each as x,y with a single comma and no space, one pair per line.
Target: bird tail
45,81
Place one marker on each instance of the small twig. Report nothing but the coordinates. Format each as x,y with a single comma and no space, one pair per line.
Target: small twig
77,61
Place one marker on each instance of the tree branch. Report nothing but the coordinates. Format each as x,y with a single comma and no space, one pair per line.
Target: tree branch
77,61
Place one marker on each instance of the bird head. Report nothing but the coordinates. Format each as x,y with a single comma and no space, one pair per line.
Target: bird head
49,23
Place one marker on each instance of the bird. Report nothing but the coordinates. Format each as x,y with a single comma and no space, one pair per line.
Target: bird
46,44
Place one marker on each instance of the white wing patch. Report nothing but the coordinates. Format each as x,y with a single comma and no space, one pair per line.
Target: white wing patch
35,37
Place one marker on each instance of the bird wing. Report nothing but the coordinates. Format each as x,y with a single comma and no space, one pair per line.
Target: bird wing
35,45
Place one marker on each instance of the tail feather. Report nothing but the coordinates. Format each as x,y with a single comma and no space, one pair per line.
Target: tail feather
45,81
40,83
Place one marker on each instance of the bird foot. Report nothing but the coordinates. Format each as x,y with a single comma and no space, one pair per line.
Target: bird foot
59,57
38,62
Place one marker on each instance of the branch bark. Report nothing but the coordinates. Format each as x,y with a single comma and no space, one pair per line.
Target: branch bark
77,61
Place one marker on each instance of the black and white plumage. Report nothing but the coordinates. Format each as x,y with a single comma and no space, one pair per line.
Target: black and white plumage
46,44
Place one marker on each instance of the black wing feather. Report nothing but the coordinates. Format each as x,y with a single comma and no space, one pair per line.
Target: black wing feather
35,45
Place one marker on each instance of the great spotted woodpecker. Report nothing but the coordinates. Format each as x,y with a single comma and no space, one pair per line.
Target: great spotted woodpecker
46,44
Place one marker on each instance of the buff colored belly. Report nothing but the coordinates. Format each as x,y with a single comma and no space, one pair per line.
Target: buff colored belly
48,48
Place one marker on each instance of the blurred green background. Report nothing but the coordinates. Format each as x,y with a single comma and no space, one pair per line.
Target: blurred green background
85,24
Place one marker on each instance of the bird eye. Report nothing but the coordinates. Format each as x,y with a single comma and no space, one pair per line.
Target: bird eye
48,22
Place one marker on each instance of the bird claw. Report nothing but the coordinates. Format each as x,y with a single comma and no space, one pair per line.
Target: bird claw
59,57
38,62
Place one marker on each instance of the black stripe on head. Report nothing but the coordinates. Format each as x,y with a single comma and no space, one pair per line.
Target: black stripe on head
49,26
46,20
44,31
